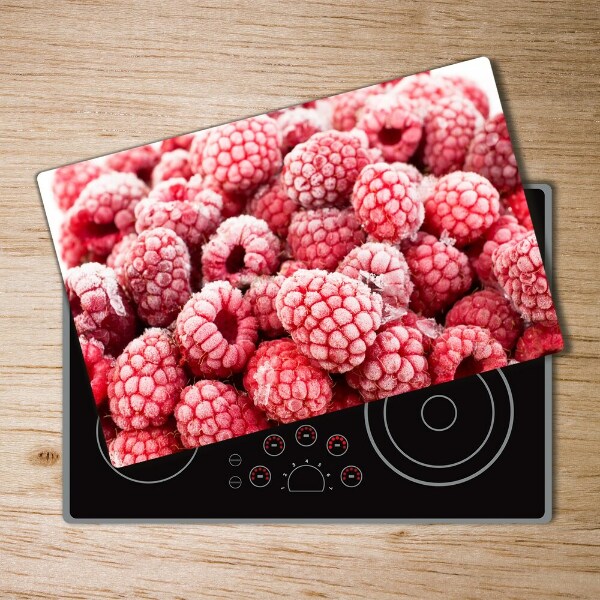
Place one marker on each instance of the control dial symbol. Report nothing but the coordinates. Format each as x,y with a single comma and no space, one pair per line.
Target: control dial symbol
307,478
274,445
306,435
337,445
260,476
351,476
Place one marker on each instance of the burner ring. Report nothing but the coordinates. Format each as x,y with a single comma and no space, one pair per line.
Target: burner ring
427,424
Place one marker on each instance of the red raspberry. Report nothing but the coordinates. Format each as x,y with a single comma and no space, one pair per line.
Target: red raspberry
234,203
97,365
440,272
427,326
539,340
449,127
424,89
519,269
140,161
394,364
284,383
298,124
272,205
346,107
465,350
261,295
241,249
212,411
518,204
387,204
321,238
116,259
216,331
413,174
382,267
491,155
344,397
490,310
70,180
157,273
196,149
331,317
243,155
289,267
131,447
104,211
470,90
99,306
321,171
175,143
464,205
74,251
144,384
172,164
391,126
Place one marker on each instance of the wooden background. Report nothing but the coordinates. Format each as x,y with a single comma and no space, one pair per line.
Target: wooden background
80,79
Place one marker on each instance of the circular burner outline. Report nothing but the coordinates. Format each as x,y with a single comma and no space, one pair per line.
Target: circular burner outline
189,462
464,479
439,428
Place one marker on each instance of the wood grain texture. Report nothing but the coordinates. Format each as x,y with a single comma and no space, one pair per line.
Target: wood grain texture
80,79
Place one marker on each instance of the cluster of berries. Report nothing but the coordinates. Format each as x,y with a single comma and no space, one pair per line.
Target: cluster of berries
287,265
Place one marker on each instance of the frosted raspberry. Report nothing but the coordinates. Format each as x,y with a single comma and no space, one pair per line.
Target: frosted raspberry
140,161
321,171
539,340
394,364
392,126
212,411
241,249
70,180
387,204
144,384
428,327
413,174
321,238
490,310
97,365
131,447
196,149
518,205
157,273
216,331
491,155
116,259
331,317
74,251
175,143
463,205
449,127
347,106
289,267
298,124
284,383
243,155
382,267
424,89
470,90
234,203
519,269
172,164
344,396
440,272
272,205
104,211
100,308
261,295
464,350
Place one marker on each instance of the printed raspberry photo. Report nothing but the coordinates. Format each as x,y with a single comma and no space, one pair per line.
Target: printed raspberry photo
288,265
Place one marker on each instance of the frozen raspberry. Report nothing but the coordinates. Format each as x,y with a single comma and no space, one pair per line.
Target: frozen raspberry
414,175
464,350
70,180
321,171
440,272
449,127
196,149
321,238
272,205
298,124
241,249
261,295
382,267
97,365
346,107
284,383
344,396
243,155
131,447
157,273
470,90
212,411
490,310
234,203
104,211
182,142
539,340
289,267
99,306
216,331
387,203
74,251
331,317
518,205
424,89
491,155
145,382
172,164
463,205
140,161
394,364
116,259
519,269
428,327
391,126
